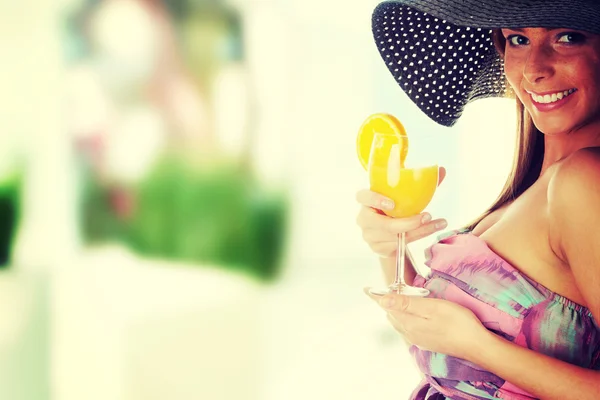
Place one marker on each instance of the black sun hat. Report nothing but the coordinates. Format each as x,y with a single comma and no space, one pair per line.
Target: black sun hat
442,54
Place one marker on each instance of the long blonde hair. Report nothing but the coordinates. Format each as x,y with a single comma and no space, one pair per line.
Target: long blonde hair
529,152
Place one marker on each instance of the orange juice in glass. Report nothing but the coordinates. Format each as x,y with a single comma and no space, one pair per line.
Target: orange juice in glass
411,188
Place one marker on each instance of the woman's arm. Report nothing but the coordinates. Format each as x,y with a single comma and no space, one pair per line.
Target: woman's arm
441,326
544,377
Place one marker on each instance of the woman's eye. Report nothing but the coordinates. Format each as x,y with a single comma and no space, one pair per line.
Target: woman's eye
571,37
517,40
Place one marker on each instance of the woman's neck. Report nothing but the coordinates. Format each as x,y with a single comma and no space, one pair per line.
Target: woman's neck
560,146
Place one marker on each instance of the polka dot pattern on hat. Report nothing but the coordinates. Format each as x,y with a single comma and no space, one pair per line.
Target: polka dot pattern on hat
440,66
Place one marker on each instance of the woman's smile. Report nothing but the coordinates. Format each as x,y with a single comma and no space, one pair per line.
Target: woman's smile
552,100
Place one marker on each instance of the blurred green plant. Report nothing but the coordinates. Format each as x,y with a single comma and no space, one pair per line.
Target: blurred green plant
221,216
10,209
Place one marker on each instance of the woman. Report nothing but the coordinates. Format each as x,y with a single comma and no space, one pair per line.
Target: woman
515,297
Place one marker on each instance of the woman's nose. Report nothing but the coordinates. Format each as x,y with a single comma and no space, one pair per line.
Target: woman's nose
539,64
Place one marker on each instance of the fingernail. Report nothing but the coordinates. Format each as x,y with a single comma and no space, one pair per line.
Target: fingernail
425,219
387,301
441,225
387,204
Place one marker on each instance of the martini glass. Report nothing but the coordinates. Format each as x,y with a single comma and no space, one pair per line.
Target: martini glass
411,188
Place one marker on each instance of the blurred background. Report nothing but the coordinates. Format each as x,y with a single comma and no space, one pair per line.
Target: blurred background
177,212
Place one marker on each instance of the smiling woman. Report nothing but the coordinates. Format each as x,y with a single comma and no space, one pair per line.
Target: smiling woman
513,311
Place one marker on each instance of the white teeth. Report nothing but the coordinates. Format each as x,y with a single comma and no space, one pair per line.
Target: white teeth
551,98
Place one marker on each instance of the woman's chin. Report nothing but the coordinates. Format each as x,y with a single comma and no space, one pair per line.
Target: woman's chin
550,126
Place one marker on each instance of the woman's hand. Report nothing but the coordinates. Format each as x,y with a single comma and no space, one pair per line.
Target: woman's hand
433,324
381,232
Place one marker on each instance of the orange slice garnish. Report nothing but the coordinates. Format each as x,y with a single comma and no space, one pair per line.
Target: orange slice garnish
380,123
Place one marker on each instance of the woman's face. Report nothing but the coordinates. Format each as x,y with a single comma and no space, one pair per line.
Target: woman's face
556,75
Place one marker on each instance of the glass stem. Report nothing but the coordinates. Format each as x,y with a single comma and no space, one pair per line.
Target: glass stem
400,260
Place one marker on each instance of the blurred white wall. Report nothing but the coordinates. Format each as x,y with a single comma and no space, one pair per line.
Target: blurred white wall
31,110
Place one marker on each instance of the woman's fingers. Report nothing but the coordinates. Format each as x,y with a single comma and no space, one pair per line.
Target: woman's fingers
369,219
426,230
389,230
398,225
384,243
378,227
374,200
381,232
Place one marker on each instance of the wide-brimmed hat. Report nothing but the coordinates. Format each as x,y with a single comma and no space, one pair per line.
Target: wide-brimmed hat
442,54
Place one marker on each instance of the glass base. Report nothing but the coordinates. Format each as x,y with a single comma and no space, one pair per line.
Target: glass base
404,290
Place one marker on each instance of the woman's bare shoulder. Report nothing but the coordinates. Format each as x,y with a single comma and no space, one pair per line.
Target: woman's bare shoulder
577,175
574,198
585,155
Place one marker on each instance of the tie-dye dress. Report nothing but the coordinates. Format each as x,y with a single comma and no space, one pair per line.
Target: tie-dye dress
466,271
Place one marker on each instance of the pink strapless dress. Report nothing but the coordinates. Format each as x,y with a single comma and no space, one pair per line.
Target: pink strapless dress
466,271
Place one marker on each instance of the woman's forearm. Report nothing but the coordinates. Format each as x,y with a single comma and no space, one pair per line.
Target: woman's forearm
544,377
388,266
